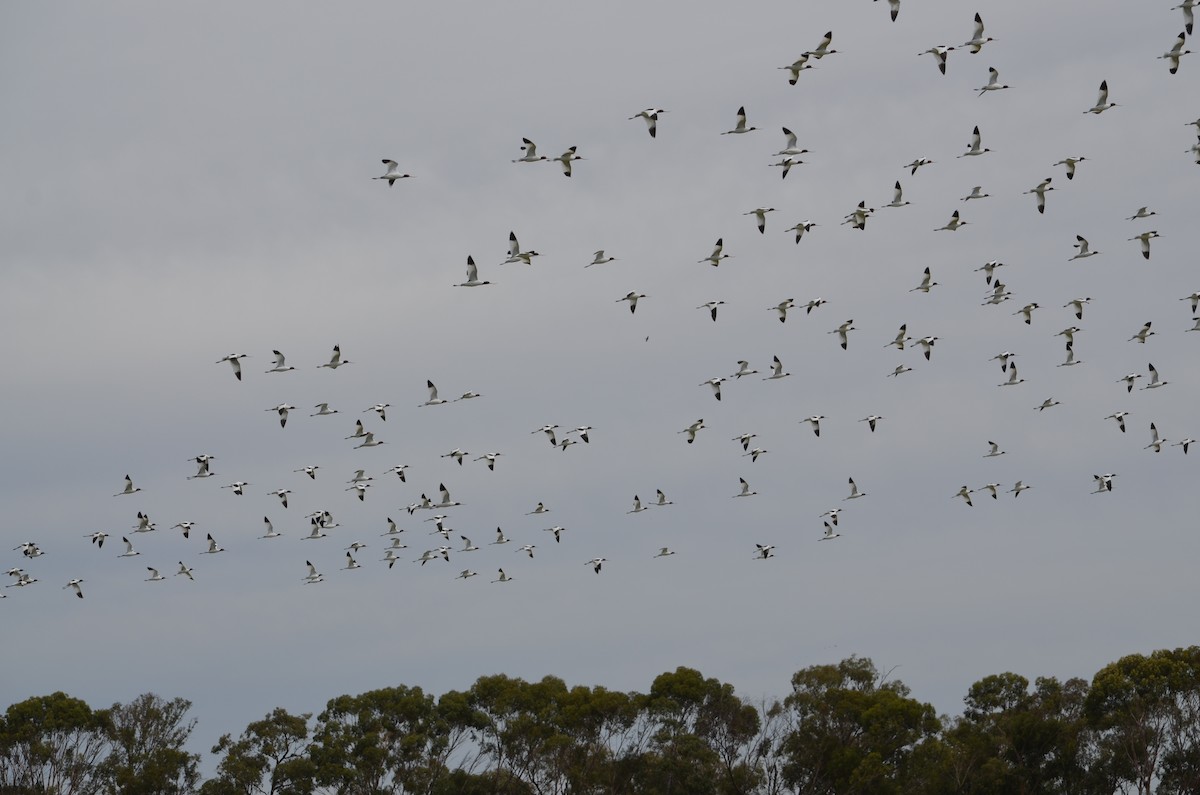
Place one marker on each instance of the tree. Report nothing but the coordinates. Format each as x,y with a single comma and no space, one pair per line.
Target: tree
52,744
270,757
852,731
146,739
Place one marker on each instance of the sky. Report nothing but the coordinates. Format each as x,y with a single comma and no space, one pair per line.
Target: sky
186,181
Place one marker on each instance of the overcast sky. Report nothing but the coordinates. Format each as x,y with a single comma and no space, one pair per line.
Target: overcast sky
186,181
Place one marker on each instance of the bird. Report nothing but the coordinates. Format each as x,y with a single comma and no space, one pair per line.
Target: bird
843,332
989,269
993,83
990,488
823,48
1069,163
185,570
531,155
715,258
815,422
895,8
764,551
1173,55
1012,376
760,216
776,370
503,577
871,421
1145,238
466,573
1077,305
926,344
743,369
596,563
975,147
515,254
897,197
953,224
393,173
814,304
313,575
129,488
1102,103
335,359
858,217
1047,403
692,430
311,471
323,410
661,499
854,492
650,115
566,159
598,258
1128,380
795,68
557,530
351,563
1103,482
792,147
457,454
282,495
1142,212
1027,312
1018,487
1156,441
740,127
939,53
74,583
282,410
926,284
500,538
1155,383
1039,190
1195,299
900,370
527,549
1184,444
711,306
901,338
238,487
1084,250
755,453
154,575
744,439
977,193
490,459
270,529
715,383
582,430
472,275
1188,19
1070,360
1143,333
1196,326
280,365
129,550
977,40
434,400
786,164
745,492
664,552
98,538
234,360
965,493
369,440
1003,359
1120,418
213,547
632,297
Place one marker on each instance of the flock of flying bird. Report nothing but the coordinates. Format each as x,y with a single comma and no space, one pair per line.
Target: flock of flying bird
394,547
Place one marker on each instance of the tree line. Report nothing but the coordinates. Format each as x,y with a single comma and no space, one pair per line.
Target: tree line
844,729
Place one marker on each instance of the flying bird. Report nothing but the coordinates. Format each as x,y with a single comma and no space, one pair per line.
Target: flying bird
393,173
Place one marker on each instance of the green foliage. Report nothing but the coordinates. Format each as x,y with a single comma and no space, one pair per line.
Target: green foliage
844,729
